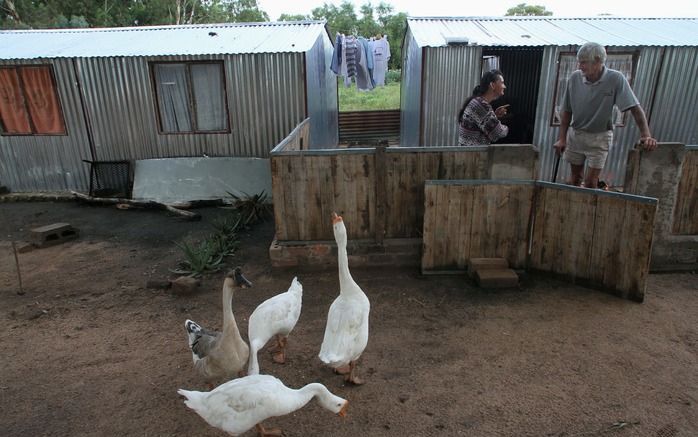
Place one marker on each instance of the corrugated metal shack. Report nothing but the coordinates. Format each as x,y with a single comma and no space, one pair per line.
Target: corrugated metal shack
157,92
443,60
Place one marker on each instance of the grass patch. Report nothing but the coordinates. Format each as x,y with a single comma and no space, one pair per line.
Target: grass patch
380,98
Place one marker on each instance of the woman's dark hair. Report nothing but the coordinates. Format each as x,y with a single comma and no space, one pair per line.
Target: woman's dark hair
485,81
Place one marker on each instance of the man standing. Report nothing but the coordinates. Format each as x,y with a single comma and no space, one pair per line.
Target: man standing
586,119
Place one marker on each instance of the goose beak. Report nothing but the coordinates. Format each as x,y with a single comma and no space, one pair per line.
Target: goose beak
240,280
343,411
336,218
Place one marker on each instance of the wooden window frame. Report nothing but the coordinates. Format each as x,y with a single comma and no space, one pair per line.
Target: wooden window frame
192,103
23,93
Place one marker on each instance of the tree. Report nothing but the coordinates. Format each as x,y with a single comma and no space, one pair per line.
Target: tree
522,9
40,14
246,11
292,17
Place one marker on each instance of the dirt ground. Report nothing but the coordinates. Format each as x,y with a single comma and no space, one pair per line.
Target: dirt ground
89,350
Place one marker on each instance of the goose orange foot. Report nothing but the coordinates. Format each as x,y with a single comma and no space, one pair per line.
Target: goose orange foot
267,432
352,377
343,370
279,357
279,352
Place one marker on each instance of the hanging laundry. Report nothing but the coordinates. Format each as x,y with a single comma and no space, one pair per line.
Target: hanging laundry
355,58
364,81
350,58
381,55
337,56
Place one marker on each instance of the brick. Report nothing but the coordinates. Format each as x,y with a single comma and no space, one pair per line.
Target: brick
477,264
497,278
55,233
25,246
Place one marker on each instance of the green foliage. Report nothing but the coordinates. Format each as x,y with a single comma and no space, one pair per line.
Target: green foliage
392,76
523,10
199,259
380,98
292,17
252,209
20,14
208,255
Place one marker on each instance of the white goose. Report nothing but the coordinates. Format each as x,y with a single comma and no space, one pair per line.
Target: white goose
276,316
220,354
346,333
240,404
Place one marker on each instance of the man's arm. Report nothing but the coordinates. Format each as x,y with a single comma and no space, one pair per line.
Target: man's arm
645,135
561,143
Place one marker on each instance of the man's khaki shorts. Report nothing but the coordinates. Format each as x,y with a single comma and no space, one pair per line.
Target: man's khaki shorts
590,147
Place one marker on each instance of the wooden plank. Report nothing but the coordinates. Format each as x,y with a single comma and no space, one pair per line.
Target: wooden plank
324,168
544,232
441,235
467,213
345,193
452,226
686,205
380,177
430,223
513,211
636,249
280,203
294,189
576,213
364,195
606,245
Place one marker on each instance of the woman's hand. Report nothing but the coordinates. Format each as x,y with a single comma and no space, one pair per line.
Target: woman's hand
501,111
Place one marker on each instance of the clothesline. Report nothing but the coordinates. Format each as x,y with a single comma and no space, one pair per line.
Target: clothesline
364,60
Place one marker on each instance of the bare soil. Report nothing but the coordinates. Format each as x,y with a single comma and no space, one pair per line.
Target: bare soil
89,350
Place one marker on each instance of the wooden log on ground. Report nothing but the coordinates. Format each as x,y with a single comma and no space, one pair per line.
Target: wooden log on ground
188,215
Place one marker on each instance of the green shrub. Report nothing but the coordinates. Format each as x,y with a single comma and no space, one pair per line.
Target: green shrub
393,76
380,98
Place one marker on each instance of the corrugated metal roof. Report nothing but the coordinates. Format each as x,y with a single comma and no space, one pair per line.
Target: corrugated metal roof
204,39
547,31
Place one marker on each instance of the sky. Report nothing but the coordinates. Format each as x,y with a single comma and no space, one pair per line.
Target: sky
446,8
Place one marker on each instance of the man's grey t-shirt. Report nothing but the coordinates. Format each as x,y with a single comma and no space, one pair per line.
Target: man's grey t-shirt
591,104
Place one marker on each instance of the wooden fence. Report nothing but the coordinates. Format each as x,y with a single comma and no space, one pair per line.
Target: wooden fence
475,219
379,191
366,127
686,206
590,236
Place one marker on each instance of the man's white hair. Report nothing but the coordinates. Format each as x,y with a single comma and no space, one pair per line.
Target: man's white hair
592,52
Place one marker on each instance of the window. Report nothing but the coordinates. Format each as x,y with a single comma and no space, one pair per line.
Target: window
191,97
29,103
622,62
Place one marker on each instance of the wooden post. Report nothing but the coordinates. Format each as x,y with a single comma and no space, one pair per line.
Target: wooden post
380,193
19,274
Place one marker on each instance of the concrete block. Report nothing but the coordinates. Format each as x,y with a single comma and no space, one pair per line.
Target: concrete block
55,233
497,278
25,246
477,264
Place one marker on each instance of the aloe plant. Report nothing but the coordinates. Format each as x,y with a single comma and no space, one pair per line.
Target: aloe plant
252,209
199,259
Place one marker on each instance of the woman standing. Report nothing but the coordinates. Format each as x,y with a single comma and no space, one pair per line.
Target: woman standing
478,123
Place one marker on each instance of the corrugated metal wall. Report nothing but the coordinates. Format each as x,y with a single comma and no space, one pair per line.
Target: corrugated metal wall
322,95
410,92
674,116
450,74
266,100
49,163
